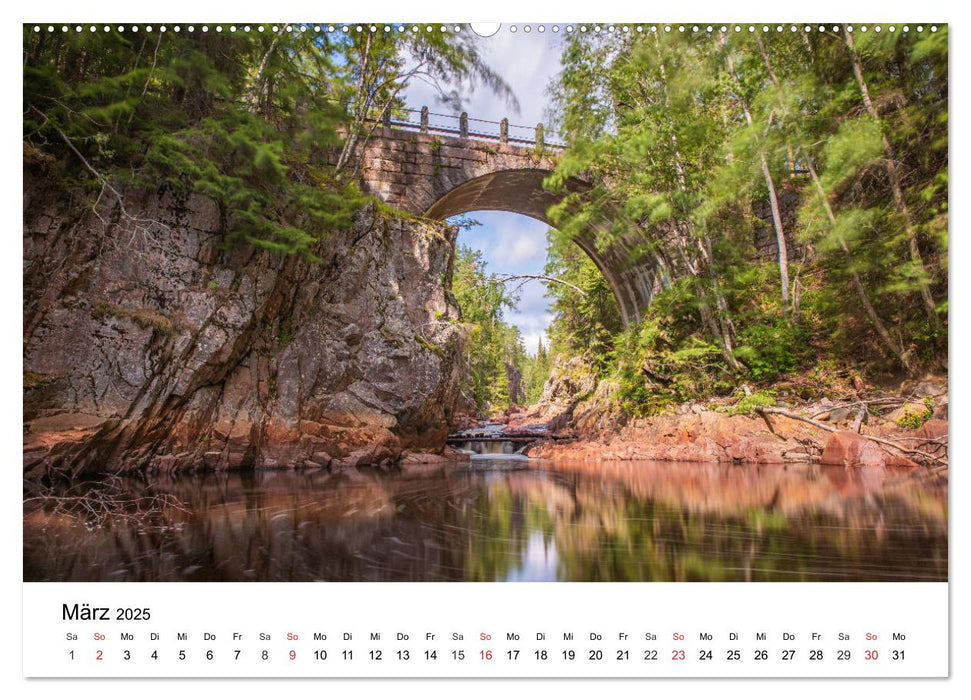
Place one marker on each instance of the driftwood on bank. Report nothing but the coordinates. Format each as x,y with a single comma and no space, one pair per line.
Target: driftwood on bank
927,457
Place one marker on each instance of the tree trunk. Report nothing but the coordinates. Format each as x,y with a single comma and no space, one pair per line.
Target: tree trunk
896,187
255,92
780,235
723,330
361,107
861,292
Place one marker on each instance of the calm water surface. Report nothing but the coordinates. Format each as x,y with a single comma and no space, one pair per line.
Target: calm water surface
496,520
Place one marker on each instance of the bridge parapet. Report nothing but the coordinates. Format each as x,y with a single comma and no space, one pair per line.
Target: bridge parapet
466,127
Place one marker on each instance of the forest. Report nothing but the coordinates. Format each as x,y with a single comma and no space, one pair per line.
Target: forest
248,119
790,186
792,189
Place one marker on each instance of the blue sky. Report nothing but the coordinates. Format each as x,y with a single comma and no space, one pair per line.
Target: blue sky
511,243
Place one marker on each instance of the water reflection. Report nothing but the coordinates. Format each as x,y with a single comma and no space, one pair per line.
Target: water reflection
498,520
540,561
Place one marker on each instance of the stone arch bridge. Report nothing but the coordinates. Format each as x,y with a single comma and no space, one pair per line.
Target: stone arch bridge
454,165
442,170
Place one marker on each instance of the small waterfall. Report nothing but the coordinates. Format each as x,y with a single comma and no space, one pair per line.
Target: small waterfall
491,442
489,447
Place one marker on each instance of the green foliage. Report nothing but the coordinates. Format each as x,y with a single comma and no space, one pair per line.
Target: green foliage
915,416
680,137
583,323
855,145
772,348
663,360
750,403
194,114
491,343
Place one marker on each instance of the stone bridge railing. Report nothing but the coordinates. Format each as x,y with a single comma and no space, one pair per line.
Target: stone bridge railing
465,127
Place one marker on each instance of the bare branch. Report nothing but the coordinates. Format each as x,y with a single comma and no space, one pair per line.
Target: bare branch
502,279
106,502
139,224
830,429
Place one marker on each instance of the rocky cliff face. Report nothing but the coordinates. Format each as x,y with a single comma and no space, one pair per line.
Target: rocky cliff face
571,380
149,345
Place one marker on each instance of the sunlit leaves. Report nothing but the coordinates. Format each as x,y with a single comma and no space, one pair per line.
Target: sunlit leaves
856,144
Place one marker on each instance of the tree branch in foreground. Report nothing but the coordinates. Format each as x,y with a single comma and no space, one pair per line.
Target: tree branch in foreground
138,224
544,278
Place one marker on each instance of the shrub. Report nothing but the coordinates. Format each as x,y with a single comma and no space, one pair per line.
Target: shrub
752,402
771,348
916,415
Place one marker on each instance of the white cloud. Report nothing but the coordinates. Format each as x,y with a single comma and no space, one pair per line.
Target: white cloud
522,249
526,62
515,244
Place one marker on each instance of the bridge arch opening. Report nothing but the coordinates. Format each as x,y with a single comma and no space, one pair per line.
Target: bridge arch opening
513,248
520,191
430,172
503,277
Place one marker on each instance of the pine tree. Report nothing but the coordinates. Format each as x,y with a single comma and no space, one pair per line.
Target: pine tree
248,119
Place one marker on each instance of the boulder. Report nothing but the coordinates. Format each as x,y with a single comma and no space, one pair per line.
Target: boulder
849,449
935,433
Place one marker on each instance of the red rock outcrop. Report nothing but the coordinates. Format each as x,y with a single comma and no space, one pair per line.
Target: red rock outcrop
708,436
849,449
704,436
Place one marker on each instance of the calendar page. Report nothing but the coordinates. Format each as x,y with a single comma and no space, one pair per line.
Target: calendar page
559,350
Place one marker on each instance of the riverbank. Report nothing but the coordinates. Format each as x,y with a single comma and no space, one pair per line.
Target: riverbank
903,430
708,436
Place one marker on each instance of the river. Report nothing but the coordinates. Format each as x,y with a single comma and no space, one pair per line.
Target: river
501,518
